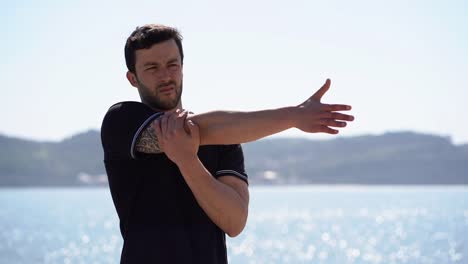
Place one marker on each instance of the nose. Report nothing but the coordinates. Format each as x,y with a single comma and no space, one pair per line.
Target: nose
164,74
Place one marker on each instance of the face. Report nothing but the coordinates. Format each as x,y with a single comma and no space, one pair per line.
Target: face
158,76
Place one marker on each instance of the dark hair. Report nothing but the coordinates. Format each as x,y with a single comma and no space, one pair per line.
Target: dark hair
146,36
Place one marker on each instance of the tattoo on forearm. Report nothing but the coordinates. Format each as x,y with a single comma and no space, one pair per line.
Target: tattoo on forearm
148,142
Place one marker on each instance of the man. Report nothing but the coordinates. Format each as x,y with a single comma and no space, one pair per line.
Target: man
177,180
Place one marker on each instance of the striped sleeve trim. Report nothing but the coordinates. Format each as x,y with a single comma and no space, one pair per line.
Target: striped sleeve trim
140,129
239,175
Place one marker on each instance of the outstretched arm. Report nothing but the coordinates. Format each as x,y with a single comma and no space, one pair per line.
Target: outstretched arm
230,127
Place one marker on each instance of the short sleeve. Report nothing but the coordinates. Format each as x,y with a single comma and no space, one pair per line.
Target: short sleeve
121,126
231,162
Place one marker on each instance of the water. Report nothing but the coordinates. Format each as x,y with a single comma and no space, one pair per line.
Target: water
311,224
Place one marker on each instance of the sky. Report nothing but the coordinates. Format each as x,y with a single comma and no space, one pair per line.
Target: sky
402,65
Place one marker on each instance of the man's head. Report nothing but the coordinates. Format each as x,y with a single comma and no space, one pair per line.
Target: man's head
154,58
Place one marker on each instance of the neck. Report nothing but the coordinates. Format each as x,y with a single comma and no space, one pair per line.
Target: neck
178,106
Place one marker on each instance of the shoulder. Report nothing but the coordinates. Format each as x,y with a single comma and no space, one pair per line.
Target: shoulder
125,113
122,122
128,108
234,148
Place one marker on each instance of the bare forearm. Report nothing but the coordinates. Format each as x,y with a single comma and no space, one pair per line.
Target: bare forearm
229,127
223,205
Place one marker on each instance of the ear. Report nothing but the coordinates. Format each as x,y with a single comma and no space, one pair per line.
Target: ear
131,77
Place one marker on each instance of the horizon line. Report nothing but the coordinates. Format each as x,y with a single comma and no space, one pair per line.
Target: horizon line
276,136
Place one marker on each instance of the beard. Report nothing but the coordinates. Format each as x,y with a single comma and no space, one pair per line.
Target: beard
152,98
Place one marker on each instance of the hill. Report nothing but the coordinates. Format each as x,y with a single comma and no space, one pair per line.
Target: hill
392,158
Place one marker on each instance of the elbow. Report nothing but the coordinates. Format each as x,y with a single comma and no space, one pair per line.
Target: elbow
235,232
238,226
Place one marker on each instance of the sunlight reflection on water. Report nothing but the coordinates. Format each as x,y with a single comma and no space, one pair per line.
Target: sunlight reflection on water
286,225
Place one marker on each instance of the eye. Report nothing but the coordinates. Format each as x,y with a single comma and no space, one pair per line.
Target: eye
152,68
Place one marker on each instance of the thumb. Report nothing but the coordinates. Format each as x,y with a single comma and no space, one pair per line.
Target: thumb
319,94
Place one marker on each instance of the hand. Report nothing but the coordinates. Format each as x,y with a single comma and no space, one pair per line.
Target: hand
315,117
178,137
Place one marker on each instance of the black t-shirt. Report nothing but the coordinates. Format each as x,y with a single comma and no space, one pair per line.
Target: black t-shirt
160,219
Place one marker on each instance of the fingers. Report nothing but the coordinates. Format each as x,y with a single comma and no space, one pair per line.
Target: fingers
173,122
332,123
328,130
338,116
336,107
319,94
180,120
170,122
193,128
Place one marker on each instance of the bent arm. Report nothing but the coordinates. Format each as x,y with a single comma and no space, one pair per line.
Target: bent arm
225,201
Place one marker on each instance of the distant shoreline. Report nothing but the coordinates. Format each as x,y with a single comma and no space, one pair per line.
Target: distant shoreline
273,186
396,158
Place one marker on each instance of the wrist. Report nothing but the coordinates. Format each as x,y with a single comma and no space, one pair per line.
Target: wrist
188,162
290,116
